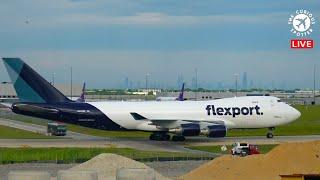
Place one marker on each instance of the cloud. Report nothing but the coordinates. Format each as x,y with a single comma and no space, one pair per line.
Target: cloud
161,19
108,68
149,13
115,38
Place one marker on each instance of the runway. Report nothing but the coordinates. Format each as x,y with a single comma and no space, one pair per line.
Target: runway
145,144
43,129
74,139
251,139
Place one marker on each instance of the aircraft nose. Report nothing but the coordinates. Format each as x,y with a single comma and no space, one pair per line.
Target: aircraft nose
294,113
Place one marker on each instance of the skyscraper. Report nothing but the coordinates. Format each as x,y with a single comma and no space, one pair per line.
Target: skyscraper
126,83
244,81
251,84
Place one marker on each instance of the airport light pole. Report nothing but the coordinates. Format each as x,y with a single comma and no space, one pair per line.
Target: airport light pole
196,92
71,81
236,77
147,78
314,84
53,75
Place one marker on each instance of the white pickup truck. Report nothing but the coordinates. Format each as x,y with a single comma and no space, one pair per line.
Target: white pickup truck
244,149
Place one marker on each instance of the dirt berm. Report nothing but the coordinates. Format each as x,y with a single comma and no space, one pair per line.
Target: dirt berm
106,166
285,159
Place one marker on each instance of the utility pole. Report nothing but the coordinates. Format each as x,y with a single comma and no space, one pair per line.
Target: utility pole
71,81
196,92
53,74
314,84
147,76
236,77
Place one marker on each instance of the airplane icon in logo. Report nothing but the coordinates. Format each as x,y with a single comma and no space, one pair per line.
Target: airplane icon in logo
302,21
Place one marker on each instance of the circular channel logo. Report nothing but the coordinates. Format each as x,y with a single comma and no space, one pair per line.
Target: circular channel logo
301,22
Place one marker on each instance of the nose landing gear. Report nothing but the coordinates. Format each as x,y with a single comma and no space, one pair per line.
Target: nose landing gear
270,132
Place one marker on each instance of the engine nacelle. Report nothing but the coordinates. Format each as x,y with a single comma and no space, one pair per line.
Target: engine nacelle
190,129
215,131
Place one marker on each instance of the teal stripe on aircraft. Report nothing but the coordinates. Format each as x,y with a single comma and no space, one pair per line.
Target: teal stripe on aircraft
15,63
23,90
13,67
26,93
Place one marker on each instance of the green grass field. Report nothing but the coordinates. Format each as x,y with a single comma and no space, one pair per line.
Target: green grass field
13,133
217,149
307,124
76,155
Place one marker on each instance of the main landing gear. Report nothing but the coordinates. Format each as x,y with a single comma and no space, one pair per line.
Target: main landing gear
270,132
163,136
178,138
159,136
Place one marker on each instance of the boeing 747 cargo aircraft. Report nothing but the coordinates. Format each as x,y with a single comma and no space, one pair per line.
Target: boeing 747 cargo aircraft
212,119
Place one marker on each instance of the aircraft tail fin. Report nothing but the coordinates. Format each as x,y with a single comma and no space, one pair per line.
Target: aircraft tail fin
29,85
82,97
181,95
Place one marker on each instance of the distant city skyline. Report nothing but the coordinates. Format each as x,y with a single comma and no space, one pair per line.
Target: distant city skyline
115,43
246,84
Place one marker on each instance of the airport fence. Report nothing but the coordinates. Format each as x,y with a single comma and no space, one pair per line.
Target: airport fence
186,158
73,160
79,155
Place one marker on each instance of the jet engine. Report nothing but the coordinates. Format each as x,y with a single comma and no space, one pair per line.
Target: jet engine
191,129
215,131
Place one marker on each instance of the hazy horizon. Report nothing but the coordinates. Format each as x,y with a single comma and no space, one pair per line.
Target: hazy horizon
106,42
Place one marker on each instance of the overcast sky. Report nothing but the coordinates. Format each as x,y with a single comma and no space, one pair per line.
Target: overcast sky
106,41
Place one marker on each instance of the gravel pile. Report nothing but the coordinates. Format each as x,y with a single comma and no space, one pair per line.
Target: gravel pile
174,169
285,159
106,166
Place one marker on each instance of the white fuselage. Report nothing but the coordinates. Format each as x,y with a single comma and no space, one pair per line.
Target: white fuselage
237,112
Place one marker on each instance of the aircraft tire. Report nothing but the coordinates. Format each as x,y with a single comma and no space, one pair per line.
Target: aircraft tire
159,137
167,137
151,137
178,138
269,135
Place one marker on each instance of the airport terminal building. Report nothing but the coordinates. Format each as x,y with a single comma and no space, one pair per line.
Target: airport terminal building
7,92
297,97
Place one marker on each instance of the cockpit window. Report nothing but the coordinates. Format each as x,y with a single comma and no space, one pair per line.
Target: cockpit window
279,100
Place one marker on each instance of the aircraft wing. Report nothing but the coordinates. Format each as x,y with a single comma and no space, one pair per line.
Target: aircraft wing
173,123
